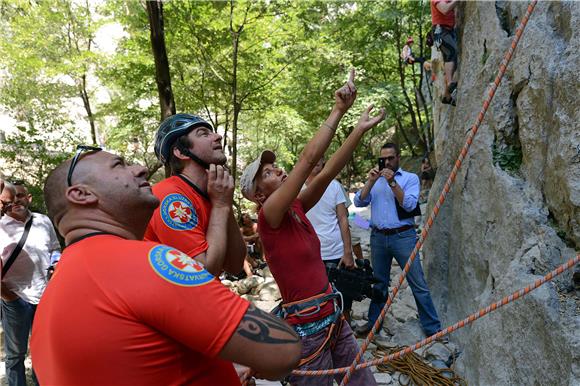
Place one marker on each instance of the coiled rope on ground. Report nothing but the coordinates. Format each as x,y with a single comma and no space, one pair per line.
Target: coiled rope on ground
416,368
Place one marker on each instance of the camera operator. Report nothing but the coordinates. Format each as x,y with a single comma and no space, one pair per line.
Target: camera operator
393,194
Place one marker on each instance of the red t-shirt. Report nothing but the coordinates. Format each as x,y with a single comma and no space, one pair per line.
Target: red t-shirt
439,18
293,256
124,312
182,218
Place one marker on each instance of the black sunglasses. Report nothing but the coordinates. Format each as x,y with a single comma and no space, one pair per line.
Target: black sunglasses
80,150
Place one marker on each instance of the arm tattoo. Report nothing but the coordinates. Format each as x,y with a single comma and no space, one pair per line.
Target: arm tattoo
262,327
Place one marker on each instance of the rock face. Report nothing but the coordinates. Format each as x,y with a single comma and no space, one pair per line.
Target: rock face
514,211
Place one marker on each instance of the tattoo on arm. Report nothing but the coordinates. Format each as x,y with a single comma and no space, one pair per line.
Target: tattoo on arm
262,327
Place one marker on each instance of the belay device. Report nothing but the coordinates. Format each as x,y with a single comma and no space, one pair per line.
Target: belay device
356,283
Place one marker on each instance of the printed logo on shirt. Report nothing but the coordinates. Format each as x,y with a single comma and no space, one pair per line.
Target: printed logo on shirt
178,213
178,268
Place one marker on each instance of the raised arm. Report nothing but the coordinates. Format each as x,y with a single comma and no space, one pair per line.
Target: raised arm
316,188
279,202
265,343
372,177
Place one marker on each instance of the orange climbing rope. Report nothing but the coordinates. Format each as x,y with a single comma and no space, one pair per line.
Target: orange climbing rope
450,180
470,319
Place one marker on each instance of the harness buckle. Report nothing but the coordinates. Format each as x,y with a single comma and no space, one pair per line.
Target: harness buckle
302,314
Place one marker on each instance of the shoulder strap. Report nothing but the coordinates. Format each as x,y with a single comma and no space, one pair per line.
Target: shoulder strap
18,248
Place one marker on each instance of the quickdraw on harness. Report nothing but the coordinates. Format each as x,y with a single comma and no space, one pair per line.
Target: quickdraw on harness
311,306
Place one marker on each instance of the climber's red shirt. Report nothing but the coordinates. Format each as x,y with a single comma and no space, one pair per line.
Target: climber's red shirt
182,218
121,312
437,17
293,256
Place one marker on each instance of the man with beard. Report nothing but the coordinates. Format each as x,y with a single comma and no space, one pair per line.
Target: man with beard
24,272
122,311
188,218
393,194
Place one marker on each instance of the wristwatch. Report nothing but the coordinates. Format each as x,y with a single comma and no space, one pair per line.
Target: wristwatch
393,183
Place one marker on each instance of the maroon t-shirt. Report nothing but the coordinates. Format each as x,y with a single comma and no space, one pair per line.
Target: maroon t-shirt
293,255
439,18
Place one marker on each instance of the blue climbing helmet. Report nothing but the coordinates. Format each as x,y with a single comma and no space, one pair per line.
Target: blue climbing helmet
174,127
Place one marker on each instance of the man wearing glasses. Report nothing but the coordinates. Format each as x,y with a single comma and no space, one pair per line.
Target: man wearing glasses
393,194
24,272
123,311
195,214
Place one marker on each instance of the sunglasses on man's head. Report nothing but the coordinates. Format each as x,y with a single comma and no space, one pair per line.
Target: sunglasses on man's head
80,150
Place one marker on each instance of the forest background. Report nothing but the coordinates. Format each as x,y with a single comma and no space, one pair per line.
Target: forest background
263,73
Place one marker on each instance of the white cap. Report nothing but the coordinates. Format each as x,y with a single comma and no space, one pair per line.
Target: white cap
248,179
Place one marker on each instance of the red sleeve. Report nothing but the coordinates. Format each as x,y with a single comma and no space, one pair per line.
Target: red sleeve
179,221
179,298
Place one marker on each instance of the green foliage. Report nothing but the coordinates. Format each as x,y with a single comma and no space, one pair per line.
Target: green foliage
45,59
507,157
272,66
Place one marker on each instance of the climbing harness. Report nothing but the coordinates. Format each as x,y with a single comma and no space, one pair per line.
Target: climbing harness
311,306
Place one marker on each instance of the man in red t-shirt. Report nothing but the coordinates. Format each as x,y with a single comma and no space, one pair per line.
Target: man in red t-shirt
123,311
187,218
443,21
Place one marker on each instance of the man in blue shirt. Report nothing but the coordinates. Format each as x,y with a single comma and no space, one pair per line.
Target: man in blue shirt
393,235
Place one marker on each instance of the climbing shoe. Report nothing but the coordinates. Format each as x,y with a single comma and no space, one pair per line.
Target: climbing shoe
452,87
448,101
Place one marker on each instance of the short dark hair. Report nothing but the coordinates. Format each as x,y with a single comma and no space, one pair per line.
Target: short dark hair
176,165
391,145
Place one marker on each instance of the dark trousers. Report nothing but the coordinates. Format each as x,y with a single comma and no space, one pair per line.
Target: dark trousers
17,317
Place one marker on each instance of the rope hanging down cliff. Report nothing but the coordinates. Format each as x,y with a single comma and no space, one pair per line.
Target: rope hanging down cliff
450,180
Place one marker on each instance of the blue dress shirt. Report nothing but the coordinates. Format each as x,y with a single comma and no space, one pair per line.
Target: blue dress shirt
382,200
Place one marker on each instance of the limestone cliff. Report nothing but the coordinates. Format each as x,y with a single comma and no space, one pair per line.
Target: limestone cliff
514,212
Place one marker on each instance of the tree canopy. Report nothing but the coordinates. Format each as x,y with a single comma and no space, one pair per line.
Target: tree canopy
263,72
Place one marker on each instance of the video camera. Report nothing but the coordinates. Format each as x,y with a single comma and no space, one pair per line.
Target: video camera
356,283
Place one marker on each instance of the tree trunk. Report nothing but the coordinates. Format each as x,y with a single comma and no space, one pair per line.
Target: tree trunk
87,104
162,75
237,105
402,131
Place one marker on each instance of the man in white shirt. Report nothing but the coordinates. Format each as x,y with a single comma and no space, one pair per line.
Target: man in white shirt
24,281
329,217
